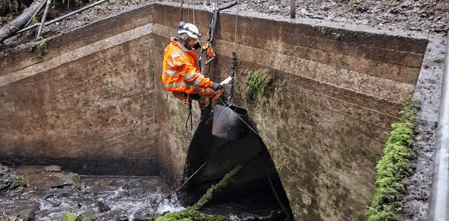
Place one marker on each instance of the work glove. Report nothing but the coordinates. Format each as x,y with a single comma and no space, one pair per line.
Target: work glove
209,93
216,86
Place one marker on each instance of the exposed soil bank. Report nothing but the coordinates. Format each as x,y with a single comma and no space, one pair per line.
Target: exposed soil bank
427,16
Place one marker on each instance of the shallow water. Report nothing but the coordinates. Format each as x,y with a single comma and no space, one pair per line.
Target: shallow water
116,198
111,198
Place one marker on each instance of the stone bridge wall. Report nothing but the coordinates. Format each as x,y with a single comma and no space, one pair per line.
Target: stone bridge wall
95,101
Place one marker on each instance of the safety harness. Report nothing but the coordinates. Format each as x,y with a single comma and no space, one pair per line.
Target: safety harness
209,53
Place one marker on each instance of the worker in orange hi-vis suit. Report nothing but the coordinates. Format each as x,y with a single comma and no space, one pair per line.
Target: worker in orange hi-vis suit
181,73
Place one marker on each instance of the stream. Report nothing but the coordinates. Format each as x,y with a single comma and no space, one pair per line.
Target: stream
49,194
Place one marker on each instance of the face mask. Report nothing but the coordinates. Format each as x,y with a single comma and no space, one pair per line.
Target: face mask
196,46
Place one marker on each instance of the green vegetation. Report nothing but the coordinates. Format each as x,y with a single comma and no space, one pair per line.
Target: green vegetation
25,214
15,5
95,8
223,183
336,35
190,215
87,216
68,217
19,180
31,48
75,178
40,49
394,167
322,29
256,83
33,20
2,185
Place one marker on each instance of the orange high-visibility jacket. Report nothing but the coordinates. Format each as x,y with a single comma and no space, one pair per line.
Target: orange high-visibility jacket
181,71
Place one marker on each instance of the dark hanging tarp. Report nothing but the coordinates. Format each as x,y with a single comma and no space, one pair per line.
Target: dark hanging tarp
221,156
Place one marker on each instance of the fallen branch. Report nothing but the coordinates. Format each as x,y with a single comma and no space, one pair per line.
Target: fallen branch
157,205
223,183
11,28
62,17
43,20
35,13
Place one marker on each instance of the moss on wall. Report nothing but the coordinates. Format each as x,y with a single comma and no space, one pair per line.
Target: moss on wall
394,167
190,215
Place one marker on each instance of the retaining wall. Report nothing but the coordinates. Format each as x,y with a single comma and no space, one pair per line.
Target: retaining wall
96,100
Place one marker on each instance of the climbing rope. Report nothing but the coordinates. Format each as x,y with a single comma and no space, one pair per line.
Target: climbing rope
236,24
194,12
155,206
180,11
188,12
189,116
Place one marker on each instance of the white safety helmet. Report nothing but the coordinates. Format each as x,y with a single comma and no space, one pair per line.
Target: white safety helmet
189,28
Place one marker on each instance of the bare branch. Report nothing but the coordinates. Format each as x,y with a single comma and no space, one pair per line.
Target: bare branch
12,27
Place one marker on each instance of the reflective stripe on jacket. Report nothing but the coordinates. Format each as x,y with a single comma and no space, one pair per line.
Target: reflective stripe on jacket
181,71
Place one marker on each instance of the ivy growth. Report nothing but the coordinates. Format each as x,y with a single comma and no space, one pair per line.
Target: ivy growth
394,167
